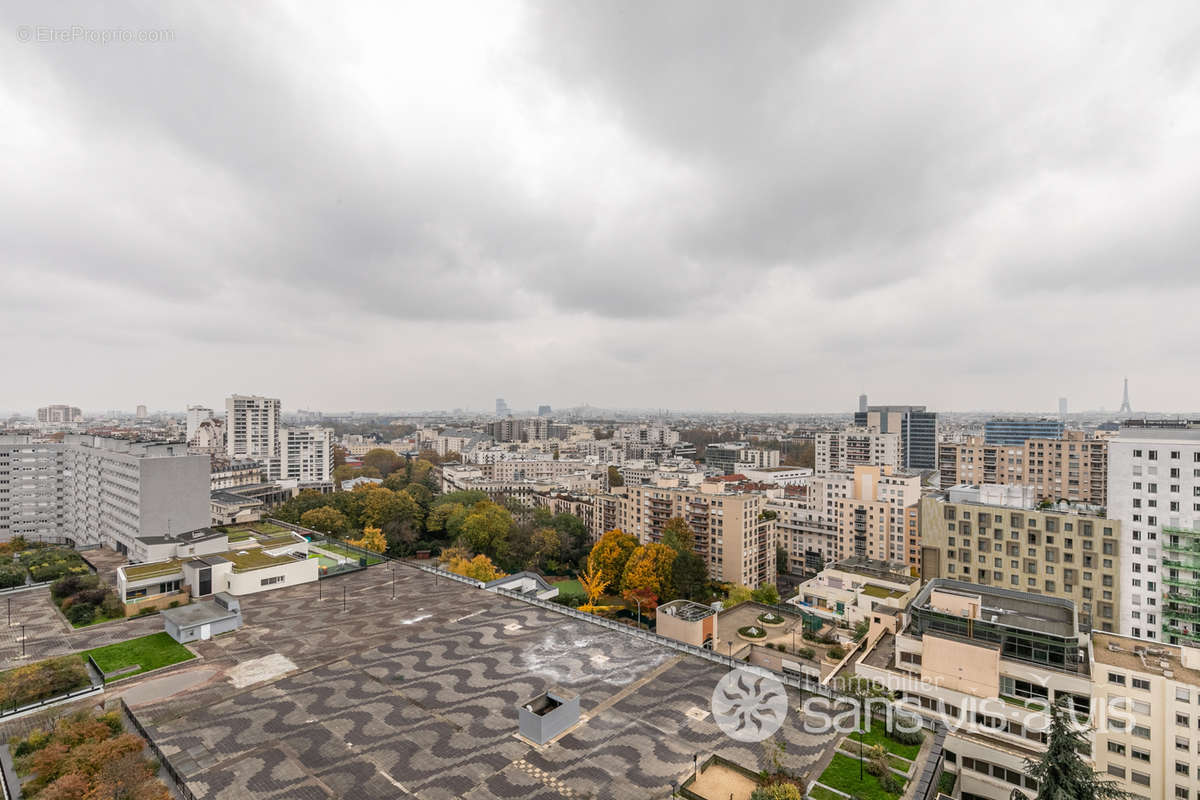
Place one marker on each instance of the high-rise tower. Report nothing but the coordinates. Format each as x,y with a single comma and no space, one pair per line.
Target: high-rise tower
1125,409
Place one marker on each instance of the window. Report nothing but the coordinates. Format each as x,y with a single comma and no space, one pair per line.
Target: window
271,581
1183,694
1116,771
1141,731
1181,768
1117,678
1141,683
1116,747
1140,755
1139,777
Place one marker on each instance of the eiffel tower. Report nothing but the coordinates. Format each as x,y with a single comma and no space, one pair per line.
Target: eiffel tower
1125,409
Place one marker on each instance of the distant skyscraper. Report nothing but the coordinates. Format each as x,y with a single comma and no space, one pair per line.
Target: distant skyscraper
862,404
1062,407
59,413
543,411
1125,409
501,407
141,412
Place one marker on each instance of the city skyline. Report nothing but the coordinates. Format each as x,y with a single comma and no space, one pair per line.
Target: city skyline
795,199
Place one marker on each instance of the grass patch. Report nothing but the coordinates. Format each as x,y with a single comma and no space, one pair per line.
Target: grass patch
878,735
871,590
346,552
269,527
842,774
239,536
148,652
569,586
946,782
821,793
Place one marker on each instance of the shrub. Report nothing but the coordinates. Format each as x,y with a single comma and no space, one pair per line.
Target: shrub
913,736
890,783
112,607
48,678
81,613
807,652
147,611
776,791
174,604
836,654
11,575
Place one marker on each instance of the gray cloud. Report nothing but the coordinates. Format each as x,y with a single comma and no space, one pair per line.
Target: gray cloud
668,194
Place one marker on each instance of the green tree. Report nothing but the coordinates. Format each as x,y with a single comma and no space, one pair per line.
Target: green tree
1061,772
677,535
609,555
382,507
777,791
737,595
689,577
781,559
547,545
386,461
485,529
324,519
765,594
439,518
615,478
649,569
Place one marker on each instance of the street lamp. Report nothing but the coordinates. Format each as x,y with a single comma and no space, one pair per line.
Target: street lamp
639,605
22,640
393,583
695,769
860,755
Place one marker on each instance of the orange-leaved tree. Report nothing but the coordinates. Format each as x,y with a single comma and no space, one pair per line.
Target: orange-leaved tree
609,555
372,539
593,584
649,568
480,568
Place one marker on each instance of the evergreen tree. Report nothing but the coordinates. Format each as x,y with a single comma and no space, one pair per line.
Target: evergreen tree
1061,773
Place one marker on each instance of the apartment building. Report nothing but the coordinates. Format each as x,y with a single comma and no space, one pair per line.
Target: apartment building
59,415
225,474
846,449
977,462
1149,741
1018,431
803,528
972,657
1154,492
92,490
252,426
867,508
1072,468
655,435
305,455
917,429
728,458
209,437
196,415
730,530
1071,556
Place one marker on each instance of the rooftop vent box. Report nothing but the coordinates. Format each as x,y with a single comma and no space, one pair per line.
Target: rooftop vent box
548,715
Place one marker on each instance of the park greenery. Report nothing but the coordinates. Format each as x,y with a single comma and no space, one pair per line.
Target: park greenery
86,756
33,682
85,600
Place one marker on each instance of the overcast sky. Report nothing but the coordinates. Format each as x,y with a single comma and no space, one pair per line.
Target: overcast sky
764,206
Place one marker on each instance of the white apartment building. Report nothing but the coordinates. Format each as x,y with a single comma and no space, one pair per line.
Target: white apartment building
868,506
252,426
305,455
59,415
802,526
780,476
196,415
1154,490
846,449
209,437
93,490
646,434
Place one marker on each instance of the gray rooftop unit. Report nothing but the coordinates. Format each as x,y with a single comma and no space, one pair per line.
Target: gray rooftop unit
548,715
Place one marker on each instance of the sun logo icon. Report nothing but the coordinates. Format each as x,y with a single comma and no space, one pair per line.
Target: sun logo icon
749,707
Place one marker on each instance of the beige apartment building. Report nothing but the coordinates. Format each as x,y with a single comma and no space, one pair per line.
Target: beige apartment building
868,509
846,449
1149,740
1071,556
1074,468
730,530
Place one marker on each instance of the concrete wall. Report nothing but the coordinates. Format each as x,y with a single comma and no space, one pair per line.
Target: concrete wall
250,582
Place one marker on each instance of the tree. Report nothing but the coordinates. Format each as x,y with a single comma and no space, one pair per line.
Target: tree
677,535
324,519
777,791
689,577
485,529
609,555
1061,773
547,545
372,539
440,515
645,599
864,690
386,461
765,594
480,568
648,568
593,584
382,506
781,559
737,595
615,478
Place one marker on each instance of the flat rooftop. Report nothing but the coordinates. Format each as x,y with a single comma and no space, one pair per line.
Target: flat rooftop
1019,610
419,697
1126,656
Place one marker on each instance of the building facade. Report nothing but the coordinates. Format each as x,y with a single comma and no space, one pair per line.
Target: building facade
92,490
1154,491
59,415
917,429
868,509
1073,468
1018,431
1069,556
846,449
305,455
252,426
196,415
730,530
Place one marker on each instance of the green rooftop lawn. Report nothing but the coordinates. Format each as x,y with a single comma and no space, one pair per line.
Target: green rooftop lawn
569,586
254,559
821,793
137,572
268,527
878,735
148,652
240,536
277,541
345,552
871,590
842,774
